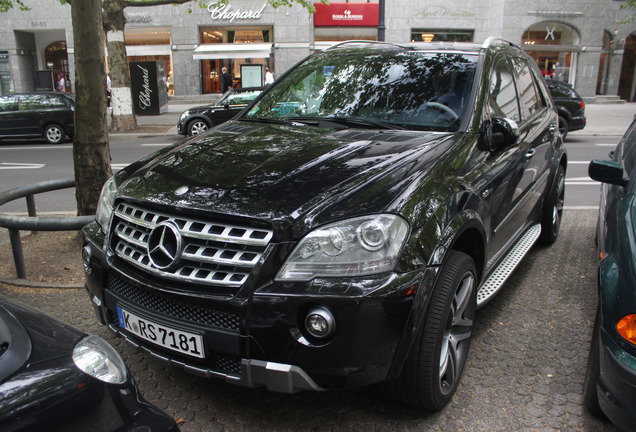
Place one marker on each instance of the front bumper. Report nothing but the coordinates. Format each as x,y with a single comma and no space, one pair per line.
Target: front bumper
257,336
617,384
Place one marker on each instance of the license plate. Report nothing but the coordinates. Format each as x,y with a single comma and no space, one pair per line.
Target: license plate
176,340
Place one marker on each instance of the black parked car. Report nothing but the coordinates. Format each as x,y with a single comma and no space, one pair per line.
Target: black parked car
570,106
610,382
35,115
54,377
343,229
198,119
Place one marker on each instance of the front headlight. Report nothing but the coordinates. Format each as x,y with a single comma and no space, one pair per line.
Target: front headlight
184,115
355,247
105,204
94,356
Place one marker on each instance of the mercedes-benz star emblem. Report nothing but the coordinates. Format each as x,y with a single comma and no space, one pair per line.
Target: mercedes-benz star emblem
164,245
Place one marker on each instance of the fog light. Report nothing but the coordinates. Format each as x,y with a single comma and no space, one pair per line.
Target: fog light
86,259
320,323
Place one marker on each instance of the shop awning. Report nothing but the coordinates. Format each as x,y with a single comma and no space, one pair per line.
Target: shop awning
232,51
148,50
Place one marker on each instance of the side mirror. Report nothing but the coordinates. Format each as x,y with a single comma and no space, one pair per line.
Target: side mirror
607,172
226,106
498,133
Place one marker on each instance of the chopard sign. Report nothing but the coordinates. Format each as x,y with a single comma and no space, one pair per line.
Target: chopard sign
145,94
225,12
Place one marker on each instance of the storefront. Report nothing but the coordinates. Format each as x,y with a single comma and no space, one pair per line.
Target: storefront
233,48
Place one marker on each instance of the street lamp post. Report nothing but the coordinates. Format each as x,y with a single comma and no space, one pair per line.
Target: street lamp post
381,26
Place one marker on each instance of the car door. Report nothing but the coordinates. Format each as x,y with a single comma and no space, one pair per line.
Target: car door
517,173
8,106
31,109
506,165
537,129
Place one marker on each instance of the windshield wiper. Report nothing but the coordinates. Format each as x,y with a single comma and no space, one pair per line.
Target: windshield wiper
353,121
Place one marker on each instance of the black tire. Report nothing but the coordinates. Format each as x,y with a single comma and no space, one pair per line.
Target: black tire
197,126
592,374
54,134
564,127
553,210
435,364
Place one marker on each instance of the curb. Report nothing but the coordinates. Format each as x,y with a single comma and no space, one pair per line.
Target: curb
23,283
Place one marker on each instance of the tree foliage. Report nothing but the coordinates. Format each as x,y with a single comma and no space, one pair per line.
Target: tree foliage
629,4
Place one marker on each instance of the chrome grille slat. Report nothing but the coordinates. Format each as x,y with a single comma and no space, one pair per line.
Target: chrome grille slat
213,253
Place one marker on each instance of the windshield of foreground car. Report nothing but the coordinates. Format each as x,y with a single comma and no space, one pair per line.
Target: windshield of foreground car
401,89
238,98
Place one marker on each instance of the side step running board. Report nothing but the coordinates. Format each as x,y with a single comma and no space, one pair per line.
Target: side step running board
494,283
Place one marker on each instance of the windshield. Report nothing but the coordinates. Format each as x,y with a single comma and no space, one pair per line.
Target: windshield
413,90
238,98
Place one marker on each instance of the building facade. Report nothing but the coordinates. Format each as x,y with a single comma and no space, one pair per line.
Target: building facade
577,41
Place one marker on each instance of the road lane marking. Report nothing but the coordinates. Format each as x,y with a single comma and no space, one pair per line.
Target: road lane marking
8,166
57,147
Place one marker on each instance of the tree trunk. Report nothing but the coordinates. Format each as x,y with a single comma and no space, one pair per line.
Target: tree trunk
123,118
91,154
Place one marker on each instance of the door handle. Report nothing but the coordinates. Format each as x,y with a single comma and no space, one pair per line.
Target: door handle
530,153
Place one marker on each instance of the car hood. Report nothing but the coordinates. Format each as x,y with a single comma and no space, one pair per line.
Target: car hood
283,173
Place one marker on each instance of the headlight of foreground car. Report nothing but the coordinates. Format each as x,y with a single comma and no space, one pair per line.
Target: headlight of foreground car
184,115
94,356
355,247
105,204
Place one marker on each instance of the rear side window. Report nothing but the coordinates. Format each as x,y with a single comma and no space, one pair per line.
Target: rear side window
32,102
56,102
503,95
529,99
7,103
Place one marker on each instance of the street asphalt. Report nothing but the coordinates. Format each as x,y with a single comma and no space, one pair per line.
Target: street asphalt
525,369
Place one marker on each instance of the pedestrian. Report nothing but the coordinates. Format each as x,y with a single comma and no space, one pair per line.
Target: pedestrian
61,84
226,80
269,77
108,89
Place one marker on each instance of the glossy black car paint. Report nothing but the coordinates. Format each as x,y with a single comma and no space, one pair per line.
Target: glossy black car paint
31,115
570,106
611,378
42,389
227,107
465,187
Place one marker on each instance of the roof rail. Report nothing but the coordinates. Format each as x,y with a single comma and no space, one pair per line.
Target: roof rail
492,39
370,42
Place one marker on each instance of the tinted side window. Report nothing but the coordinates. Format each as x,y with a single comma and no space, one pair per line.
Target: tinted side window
503,96
528,97
56,102
32,102
7,103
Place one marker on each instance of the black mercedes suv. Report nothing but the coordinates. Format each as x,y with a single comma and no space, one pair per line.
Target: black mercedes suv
341,231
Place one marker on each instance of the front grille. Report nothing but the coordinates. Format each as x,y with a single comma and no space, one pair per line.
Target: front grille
166,306
212,253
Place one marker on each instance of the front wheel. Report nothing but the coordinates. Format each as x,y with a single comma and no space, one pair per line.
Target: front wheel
553,210
54,134
436,362
196,127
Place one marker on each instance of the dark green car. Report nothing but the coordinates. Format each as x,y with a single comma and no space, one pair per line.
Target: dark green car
610,381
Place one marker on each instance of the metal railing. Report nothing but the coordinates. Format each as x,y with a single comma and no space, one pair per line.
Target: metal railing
33,222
